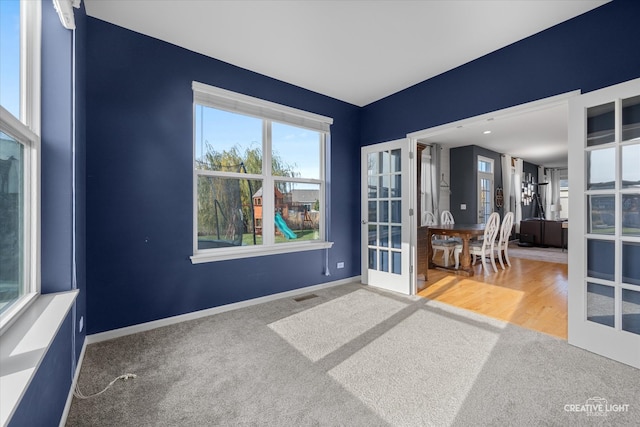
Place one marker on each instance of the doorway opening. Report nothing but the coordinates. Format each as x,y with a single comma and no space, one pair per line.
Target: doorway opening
511,132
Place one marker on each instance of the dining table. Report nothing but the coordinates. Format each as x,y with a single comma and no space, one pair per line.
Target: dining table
465,232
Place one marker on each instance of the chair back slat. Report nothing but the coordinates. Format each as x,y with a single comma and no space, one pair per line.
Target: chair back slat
429,218
446,218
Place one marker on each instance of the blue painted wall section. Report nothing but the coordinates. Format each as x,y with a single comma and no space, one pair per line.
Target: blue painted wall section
44,400
139,184
589,52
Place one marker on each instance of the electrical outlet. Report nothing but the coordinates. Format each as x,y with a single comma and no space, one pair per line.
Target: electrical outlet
81,324
463,207
340,265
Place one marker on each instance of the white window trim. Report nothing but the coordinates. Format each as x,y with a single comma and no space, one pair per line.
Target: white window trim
269,112
26,129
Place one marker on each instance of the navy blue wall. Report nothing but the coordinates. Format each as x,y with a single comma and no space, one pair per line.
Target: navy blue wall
139,184
44,400
589,52
464,187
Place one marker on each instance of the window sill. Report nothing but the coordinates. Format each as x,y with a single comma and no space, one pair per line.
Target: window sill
254,251
24,345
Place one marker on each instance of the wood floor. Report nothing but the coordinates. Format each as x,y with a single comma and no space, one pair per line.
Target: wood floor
532,294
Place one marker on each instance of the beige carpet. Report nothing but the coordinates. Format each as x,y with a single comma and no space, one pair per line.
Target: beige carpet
535,253
351,356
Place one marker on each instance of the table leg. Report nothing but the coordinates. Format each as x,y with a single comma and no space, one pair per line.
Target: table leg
430,249
465,261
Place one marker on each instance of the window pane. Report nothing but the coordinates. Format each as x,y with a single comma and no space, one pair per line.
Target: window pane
631,118
227,142
600,259
631,214
396,160
226,214
10,56
396,258
12,249
298,211
602,218
630,166
295,151
631,311
600,304
602,169
373,257
601,124
373,187
630,264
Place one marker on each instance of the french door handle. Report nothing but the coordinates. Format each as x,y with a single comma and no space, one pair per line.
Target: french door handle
364,222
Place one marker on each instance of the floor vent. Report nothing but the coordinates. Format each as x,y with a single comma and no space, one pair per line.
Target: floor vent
305,297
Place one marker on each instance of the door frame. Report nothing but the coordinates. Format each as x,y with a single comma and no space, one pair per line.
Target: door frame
415,137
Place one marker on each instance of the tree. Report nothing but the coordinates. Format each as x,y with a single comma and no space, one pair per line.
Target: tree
225,205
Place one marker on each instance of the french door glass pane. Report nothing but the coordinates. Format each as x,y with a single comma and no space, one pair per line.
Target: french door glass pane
373,258
600,304
601,124
630,166
631,118
384,236
373,187
384,261
601,165
396,264
631,214
631,311
601,218
384,209
630,264
373,235
12,198
600,259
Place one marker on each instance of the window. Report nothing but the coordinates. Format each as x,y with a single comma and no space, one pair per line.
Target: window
258,172
19,156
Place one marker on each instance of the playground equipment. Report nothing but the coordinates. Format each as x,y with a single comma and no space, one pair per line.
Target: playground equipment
284,229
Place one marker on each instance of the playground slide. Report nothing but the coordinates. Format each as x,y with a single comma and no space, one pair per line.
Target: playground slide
282,226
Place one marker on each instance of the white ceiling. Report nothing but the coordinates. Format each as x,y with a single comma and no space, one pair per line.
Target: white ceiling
538,136
356,51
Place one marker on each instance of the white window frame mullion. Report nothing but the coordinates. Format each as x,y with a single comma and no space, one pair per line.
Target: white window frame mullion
268,201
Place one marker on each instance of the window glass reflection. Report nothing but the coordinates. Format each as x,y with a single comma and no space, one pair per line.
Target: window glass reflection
631,119
601,124
600,304
601,165
631,166
602,214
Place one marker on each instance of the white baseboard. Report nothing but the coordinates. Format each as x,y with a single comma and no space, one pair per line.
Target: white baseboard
117,333
67,406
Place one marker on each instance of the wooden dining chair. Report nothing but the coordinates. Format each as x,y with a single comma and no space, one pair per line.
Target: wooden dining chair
440,243
446,218
502,248
483,248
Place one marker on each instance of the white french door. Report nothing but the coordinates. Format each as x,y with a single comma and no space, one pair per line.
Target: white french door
386,199
604,227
